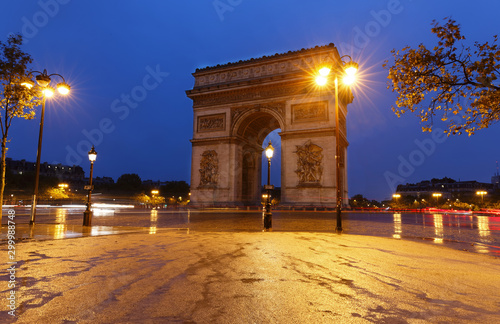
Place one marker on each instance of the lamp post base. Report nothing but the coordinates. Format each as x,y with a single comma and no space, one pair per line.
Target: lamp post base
268,217
87,218
338,228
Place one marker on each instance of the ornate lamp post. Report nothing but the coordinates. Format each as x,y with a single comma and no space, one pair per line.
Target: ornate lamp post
43,80
347,70
268,216
87,214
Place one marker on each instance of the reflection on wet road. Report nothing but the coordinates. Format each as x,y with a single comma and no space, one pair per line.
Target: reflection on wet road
474,233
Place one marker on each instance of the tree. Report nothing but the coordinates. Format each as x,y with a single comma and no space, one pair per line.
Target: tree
451,80
16,100
175,189
129,182
153,200
56,193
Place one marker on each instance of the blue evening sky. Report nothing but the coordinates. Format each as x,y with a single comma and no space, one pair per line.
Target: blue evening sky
112,50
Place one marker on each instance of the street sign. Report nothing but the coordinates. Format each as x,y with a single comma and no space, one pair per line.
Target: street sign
268,187
88,187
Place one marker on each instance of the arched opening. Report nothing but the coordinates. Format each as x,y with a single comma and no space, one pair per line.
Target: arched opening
254,132
275,139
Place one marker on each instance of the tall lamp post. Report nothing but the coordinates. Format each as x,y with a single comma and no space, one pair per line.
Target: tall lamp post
481,193
43,80
87,214
396,196
348,71
153,193
268,216
437,195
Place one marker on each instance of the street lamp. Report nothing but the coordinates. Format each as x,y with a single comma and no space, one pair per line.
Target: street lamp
268,216
348,71
43,80
436,195
153,193
481,193
63,186
87,214
396,196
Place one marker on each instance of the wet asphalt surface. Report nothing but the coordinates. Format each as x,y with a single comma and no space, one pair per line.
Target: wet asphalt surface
472,233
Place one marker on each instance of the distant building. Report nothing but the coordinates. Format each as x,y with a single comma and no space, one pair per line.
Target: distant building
66,173
447,187
103,181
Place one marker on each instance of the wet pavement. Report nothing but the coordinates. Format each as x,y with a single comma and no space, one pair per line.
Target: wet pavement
219,267
468,232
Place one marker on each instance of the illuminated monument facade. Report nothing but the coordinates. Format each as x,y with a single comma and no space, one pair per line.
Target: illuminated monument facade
237,105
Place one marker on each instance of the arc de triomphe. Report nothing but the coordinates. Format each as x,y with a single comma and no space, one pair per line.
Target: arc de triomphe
237,105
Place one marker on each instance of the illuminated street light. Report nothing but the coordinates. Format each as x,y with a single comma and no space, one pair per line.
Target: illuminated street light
153,193
436,195
268,216
481,193
396,196
87,214
43,80
346,70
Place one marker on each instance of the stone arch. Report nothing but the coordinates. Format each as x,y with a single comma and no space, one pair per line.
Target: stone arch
237,105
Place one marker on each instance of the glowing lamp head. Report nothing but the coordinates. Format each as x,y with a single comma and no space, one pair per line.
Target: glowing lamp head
48,92
63,88
351,68
324,71
269,151
92,155
349,79
28,83
321,80
154,192
43,80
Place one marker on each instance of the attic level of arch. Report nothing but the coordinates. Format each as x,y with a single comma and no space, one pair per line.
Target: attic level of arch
261,90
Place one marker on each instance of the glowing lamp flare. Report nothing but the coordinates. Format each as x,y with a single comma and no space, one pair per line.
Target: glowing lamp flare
321,80
92,154
349,79
48,92
63,88
269,151
28,83
324,71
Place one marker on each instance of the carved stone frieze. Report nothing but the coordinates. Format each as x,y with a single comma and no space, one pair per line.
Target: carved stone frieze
310,112
211,123
241,95
209,169
309,163
259,71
